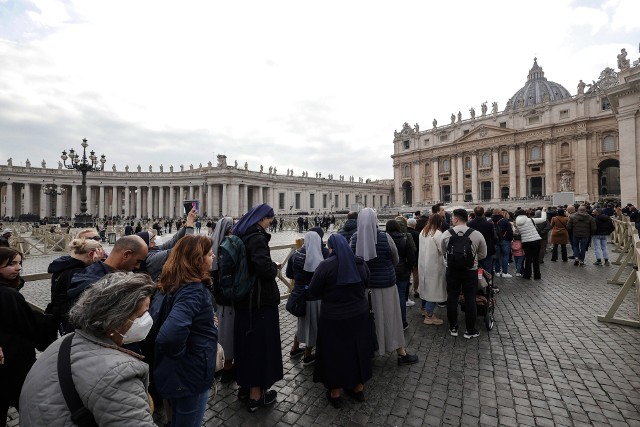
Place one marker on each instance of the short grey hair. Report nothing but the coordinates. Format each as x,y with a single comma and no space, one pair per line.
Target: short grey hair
111,301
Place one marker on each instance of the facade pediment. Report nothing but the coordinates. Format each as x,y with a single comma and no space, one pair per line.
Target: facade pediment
485,132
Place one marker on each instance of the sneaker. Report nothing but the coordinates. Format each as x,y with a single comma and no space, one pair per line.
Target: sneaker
298,352
582,264
453,331
576,262
407,359
471,334
405,326
267,398
442,304
410,303
597,262
309,360
498,274
518,275
507,275
432,320
606,263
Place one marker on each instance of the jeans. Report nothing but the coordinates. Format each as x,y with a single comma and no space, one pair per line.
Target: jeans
429,306
403,285
600,243
467,281
580,244
519,260
574,248
554,252
487,264
531,259
502,262
189,411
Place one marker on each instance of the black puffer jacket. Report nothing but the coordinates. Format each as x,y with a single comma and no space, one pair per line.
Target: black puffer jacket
350,226
406,255
604,225
382,273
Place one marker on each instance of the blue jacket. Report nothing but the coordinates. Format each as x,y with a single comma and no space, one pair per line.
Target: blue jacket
185,348
382,272
90,275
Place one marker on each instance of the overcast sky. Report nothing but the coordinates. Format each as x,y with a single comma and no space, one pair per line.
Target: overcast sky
308,85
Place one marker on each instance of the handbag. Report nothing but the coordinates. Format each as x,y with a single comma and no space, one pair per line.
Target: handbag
80,415
372,324
297,302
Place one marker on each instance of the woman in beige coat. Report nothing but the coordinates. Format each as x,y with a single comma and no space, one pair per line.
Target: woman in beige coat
432,285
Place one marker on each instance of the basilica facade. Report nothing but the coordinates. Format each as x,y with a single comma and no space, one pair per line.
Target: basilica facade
546,140
220,189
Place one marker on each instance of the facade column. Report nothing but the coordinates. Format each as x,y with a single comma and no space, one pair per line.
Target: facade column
417,183
581,185
74,200
115,199
512,171
191,193
397,192
460,160
101,202
59,199
149,202
496,175
453,164
522,170
90,207
138,202
474,177
234,200
43,203
28,208
179,203
548,169
161,190
172,201
210,213
435,185
629,158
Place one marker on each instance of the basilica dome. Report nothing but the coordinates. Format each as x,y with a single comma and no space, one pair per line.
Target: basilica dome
537,90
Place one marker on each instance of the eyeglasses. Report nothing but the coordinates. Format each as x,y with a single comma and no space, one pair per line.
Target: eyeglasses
96,238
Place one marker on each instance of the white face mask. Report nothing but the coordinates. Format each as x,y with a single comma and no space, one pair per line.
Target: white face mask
139,329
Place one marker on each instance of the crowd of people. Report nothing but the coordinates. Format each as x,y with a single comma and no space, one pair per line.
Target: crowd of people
140,327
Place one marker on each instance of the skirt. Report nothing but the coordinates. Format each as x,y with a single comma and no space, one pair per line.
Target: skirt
343,354
257,347
226,319
386,308
307,331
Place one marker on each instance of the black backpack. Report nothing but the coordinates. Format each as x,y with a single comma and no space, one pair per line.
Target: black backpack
460,254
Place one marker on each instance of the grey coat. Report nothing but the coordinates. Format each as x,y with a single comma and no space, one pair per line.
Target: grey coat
157,257
111,382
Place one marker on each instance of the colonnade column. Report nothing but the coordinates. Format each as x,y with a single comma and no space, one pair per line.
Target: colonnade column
27,199
181,199
548,169
435,187
101,202
149,202
512,171
161,190
127,202
460,195
74,200
43,203
138,202
474,177
9,202
496,175
225,203
522,170
233,200
114,200
210,213
90,207
59,205
172,202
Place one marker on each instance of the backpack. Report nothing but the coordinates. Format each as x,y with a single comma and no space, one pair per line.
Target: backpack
460,254
236,282
60,302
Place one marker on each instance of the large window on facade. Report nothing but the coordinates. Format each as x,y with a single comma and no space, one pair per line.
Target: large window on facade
446,166
405,144
297,204
536,153
312,201
467,163
608,144
324,201
280,200
407,170
565,150
346,201
486,159
504,158
337,201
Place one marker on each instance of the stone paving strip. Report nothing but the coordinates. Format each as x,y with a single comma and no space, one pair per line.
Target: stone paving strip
547,361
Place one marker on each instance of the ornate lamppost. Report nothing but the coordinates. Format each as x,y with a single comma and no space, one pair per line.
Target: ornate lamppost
84,165
53,191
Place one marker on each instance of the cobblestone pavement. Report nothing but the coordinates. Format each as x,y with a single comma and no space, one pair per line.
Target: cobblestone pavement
548,361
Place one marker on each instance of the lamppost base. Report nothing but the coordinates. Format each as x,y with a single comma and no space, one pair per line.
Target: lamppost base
83,221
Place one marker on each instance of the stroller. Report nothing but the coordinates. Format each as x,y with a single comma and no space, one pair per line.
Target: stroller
485,298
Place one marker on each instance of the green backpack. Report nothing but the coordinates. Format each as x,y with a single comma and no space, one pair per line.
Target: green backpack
236,282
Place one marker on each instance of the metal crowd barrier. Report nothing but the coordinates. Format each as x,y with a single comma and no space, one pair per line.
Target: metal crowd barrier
627,240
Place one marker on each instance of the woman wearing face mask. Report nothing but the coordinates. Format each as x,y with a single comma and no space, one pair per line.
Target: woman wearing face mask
111,381
185,349
22,330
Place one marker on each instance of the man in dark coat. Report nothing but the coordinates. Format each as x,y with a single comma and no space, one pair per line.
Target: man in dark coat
486,228
350,226
582,225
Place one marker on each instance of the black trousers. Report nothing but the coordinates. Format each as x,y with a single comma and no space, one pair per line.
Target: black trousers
554,252
467,282
531,259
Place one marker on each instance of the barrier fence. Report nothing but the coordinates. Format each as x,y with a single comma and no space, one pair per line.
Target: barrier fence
627,242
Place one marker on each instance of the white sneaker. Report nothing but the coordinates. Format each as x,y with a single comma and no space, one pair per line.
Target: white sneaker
518,275
410,303
506,275
498,274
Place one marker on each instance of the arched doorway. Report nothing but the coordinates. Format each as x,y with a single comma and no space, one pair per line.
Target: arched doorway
485,188
609,177
407,196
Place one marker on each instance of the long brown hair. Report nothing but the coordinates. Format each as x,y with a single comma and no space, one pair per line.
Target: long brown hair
434,224
184,264
6,256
